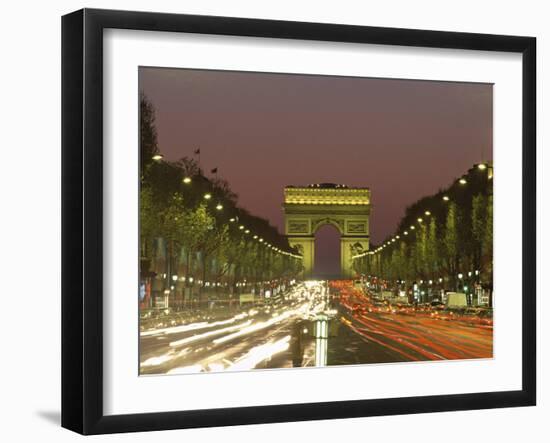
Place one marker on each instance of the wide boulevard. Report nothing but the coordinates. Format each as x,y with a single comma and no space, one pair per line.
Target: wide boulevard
316,323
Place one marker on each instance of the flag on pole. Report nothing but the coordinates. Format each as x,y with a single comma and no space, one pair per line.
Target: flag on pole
197,151
214,171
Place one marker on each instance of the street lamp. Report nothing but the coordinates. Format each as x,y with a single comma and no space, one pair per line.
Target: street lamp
207,196
428,213
158,157
462,181
219,207
445,198
482,166
187,180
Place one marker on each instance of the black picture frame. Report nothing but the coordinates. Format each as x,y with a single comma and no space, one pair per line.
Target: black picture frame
82,218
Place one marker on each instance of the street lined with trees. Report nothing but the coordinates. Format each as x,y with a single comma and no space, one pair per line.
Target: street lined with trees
443,243
195,242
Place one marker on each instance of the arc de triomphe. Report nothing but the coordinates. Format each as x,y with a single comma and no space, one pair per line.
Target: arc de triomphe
308,208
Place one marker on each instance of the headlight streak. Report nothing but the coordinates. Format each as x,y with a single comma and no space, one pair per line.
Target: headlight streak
260,353
175,329
196,337
157,361
261,325
305,308
194,326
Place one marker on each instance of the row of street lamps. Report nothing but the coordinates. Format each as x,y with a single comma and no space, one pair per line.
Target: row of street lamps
445,198
219,207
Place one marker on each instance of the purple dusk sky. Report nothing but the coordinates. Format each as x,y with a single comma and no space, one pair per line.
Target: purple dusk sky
403,139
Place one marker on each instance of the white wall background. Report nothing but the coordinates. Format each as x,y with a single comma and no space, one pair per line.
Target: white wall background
30,218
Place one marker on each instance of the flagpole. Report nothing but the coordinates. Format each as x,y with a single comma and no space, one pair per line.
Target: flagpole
197,152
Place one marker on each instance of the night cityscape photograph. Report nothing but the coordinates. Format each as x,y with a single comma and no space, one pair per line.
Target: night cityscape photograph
294,221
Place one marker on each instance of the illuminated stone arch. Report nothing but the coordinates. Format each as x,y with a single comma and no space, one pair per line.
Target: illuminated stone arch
308,208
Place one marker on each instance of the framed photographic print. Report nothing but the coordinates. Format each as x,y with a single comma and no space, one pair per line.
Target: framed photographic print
269,221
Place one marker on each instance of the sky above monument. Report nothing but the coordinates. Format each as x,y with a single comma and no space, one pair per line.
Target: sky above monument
403,139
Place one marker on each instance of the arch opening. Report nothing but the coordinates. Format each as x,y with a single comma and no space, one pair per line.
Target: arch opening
327,261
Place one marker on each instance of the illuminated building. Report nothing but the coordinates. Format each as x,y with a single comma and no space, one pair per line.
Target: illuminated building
310,207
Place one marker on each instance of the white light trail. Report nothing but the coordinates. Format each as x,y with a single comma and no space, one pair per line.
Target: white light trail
156,361
260,353
175,329
196,337
261,325
193,326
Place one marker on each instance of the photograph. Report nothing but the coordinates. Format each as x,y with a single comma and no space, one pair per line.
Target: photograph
275,222
289,220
